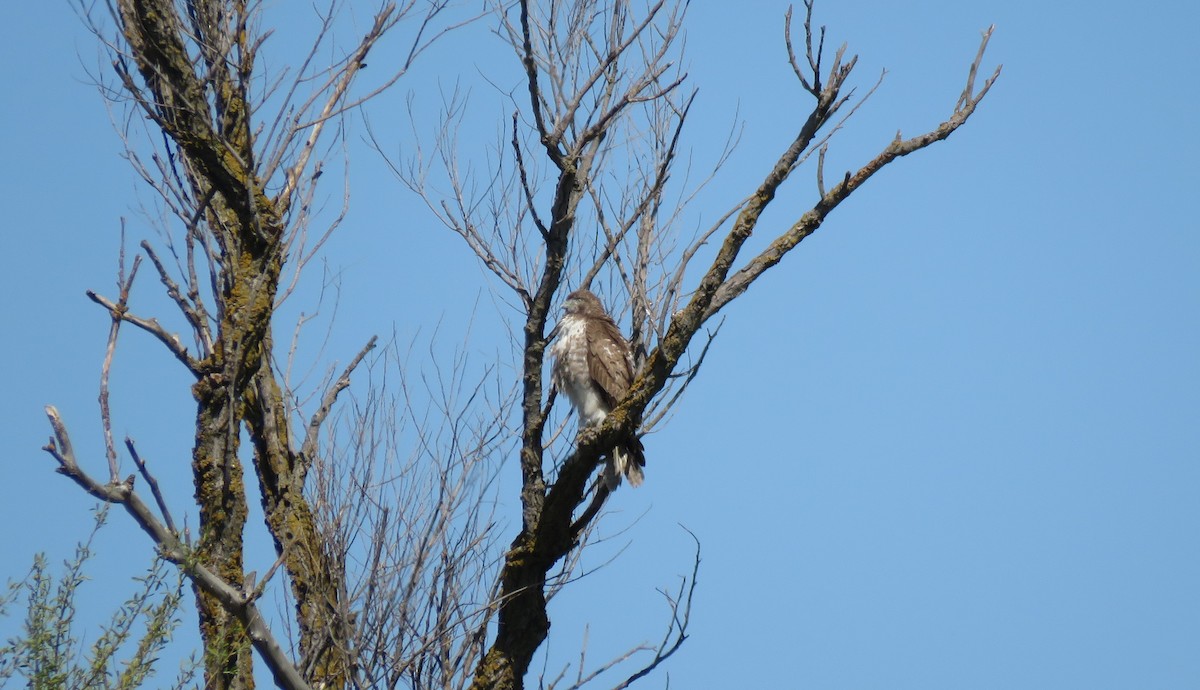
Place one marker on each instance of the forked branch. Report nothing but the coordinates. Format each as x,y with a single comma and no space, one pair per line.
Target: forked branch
736,284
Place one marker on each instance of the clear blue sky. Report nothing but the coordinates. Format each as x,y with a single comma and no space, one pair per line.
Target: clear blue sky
951,442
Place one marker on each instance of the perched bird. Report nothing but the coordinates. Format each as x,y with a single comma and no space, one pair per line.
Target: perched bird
593,365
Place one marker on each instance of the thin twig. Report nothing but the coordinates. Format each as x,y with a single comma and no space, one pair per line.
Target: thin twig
677,631
152,482
333,104
193,312
309,448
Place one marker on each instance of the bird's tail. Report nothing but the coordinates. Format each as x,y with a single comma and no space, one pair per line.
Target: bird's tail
627,460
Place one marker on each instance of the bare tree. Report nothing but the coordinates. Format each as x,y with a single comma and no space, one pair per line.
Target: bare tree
604,108
379,510
235,156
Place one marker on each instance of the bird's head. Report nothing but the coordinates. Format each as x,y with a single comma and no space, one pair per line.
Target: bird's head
580,301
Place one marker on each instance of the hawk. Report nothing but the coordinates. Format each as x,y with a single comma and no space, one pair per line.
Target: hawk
593,365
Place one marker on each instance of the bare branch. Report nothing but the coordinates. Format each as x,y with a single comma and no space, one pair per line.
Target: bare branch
737,283
120,313
821,170
524,176
309,448
969,99
124,285
383,20
169,546
192,310
658,410
152,482
676,633
535,96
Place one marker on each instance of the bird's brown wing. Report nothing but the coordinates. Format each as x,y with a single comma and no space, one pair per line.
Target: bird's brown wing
608,360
